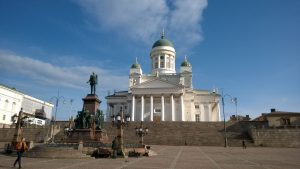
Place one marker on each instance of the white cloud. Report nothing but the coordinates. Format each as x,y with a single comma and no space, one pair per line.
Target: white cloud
142,20
48,74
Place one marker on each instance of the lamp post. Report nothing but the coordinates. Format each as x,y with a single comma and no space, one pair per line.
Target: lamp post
223,107
235,101
17,133
71,104
140,131
120,121
57,99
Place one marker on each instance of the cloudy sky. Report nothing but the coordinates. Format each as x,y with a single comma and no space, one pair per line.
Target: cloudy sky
249,49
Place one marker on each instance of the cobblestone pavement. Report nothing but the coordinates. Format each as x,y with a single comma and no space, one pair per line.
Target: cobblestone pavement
179,157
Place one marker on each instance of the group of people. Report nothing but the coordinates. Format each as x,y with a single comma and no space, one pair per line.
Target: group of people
21,147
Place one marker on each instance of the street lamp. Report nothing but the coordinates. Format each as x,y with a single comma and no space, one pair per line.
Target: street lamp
140,131
57,99
223,107
71,104
17,134
120,121
235,101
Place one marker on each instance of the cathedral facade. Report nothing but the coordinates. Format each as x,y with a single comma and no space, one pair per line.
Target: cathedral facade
164,94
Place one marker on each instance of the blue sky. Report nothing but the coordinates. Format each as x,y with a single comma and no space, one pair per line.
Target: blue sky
250,49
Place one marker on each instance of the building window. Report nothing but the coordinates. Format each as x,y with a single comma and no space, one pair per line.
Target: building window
162,57
13,108
157,110
3,117
6,104
197,117
156,65
285,121
196,106
162,65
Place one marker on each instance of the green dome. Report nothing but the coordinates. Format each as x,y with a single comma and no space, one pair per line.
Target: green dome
162,42
135,66
186,64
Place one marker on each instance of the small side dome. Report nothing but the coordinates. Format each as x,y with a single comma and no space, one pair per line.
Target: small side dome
185,63
163,42
135,66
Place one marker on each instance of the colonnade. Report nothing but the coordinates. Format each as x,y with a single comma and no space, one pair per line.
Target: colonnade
163,109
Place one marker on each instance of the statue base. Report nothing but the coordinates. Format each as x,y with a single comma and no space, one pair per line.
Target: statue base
87,135
91,103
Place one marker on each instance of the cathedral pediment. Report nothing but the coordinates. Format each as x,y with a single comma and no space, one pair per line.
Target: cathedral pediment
156,84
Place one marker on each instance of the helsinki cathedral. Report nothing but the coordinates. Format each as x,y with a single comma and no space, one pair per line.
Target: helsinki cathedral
164,94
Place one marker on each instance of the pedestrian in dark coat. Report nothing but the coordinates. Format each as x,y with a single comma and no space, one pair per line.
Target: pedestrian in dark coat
244,144
115,147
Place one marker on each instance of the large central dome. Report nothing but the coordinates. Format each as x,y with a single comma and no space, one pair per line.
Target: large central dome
162,42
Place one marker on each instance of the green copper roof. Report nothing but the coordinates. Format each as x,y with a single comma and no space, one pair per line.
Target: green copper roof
162,42
135,66
186,63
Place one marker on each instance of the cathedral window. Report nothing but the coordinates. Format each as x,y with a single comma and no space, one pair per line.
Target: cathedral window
197,117
3,117
196,106
156,65
162,65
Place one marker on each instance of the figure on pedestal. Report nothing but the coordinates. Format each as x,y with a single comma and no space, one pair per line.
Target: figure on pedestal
93,82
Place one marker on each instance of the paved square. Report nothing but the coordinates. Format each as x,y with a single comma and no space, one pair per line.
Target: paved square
177,157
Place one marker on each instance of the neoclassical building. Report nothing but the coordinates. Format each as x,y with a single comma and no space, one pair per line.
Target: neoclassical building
164,94
12,100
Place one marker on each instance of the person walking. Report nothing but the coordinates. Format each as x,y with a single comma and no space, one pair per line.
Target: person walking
21,147
244,144
115,147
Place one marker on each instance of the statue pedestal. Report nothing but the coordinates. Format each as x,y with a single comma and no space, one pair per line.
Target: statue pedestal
87,135
91,103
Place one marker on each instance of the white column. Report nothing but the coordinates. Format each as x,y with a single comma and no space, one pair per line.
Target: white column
202,117
182,108
151,108
219,112
158,61
114,109
162,108
107,109
142,108
165,61
209,113
132,108
127,109
172,108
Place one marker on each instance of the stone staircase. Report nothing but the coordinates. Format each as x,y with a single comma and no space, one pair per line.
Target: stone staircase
183,133
160,133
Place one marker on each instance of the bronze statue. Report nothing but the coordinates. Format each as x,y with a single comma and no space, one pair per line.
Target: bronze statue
93,82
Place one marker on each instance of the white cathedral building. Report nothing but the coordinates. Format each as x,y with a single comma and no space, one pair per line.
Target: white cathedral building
164,94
